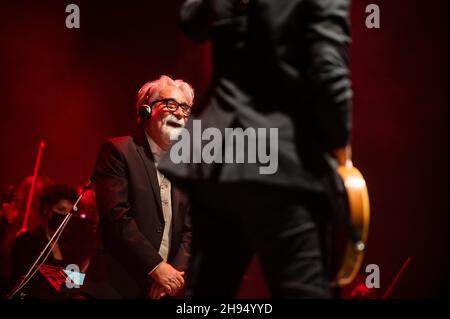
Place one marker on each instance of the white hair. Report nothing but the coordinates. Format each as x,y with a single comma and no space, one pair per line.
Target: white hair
150,91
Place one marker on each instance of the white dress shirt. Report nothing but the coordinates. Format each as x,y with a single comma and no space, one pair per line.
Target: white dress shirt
166,200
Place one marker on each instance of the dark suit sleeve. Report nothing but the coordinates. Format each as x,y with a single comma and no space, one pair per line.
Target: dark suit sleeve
183,255
121,234
327,37
193,19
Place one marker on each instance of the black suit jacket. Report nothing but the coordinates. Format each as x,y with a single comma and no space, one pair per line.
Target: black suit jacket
131,221
277,64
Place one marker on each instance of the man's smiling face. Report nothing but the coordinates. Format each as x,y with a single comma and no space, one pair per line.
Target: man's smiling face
165,124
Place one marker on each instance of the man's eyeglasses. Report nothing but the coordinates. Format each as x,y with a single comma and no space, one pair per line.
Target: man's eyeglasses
172,106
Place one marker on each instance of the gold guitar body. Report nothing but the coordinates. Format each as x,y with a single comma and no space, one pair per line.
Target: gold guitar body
359,210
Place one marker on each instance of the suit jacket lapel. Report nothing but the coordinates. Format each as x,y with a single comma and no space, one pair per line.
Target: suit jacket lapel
149,163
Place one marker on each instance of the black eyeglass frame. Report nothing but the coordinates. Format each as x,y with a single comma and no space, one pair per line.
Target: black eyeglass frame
186,108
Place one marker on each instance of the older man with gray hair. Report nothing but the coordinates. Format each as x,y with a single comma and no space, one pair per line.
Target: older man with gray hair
144,220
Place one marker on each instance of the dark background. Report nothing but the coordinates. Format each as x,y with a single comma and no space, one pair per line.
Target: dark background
73,88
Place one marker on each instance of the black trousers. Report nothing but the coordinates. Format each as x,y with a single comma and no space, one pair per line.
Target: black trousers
232,222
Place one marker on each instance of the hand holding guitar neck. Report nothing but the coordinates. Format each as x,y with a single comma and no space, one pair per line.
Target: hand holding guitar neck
343,156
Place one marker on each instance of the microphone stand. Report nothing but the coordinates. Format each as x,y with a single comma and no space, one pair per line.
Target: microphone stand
23,280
